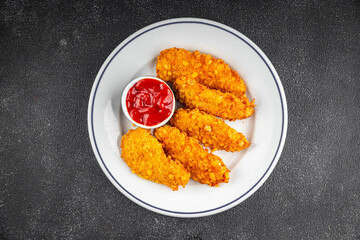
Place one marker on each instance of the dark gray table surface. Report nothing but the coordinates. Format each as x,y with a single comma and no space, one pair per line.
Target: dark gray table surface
51,184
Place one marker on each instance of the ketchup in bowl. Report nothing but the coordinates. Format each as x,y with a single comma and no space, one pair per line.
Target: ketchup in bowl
149,102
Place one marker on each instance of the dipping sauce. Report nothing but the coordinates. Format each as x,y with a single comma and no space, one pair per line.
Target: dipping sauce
149,102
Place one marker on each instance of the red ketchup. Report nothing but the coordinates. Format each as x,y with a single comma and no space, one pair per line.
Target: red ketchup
149,102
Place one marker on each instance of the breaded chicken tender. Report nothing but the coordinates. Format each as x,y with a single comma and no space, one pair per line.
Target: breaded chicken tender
205,69
203,166
145,156
209,130
224,105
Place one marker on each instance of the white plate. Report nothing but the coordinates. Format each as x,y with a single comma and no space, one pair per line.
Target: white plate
266,129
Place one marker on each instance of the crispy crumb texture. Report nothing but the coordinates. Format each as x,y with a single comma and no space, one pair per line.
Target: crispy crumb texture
145,156
203,166
205,69
209,130
225,105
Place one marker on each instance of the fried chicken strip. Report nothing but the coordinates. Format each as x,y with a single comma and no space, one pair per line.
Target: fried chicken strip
203,166
209,130
145,156
205,69
224,105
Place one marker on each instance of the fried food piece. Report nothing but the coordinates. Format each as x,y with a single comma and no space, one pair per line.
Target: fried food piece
145,156
209,130
205,69
224,105
203,166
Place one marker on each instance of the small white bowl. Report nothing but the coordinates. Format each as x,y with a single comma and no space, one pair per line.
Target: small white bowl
125,110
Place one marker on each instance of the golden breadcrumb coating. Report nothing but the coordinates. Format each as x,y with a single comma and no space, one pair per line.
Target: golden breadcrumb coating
224,105
205,69
203,166
145,156
209,130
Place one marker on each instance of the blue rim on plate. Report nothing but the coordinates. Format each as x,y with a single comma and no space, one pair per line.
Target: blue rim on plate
281,96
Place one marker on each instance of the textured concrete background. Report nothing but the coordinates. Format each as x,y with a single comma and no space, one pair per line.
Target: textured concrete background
51,184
